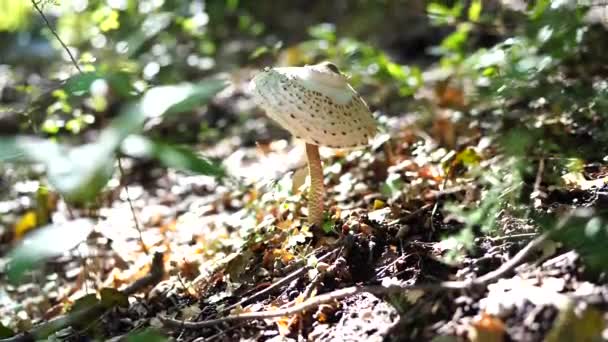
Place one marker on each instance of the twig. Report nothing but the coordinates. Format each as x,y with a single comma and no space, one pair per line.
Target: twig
157,270
314,283
536,193
513,262
436,206
394,262
48,24
412,214
219,334
75,63
313,303
47,328
539,175
523,254
480,282
135,220
295,274
514,236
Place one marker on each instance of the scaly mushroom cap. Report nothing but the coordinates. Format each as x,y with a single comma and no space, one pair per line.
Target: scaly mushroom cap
316,104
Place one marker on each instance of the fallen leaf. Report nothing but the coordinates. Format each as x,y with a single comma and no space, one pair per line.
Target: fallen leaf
298,179
26,222
378,204
487,329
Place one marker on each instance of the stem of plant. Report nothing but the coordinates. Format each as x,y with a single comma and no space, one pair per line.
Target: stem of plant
316,190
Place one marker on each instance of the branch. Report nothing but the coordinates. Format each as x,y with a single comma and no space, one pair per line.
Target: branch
513,262
48,24
480,282
293,275
314,302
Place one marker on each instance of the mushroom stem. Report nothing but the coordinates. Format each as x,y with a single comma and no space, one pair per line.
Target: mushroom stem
316,190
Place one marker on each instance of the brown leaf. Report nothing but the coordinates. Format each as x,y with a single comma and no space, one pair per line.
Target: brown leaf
449,95
487,329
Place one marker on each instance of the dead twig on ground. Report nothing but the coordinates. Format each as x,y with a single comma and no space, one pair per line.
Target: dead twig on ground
285,280
135,220
309,304
513,236
513,262
480,282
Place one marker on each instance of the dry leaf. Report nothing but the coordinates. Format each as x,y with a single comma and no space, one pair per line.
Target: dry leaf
298,179
487,329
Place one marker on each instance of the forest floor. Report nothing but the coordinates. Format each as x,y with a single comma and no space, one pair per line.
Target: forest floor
193,249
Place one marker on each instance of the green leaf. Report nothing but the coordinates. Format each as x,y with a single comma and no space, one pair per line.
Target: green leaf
173,99
48,241
77,173
328,225
475,10
84,303
539,8
112,297
119,82
467,157
437,9
177,157
148,335
586,231
5,332
259,51
14,15
456,41
325,32
81,83
441,14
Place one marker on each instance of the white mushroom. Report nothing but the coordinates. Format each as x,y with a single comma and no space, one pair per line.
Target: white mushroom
316,104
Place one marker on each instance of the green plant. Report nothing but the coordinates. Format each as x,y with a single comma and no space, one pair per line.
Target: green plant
79,173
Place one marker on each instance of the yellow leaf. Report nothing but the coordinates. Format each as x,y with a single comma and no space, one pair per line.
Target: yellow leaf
378,204
284,254
14,15
292,56
467,158
27,222
574,325
475,10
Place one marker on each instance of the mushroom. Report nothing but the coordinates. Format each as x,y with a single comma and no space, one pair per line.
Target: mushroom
316,104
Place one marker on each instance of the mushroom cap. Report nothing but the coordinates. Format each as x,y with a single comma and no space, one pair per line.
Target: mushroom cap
315,103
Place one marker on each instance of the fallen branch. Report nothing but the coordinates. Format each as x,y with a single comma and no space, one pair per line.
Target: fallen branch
294,275
43,330
312,303
480,282
513,262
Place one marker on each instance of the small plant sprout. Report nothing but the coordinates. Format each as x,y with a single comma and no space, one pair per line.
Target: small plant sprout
316,104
